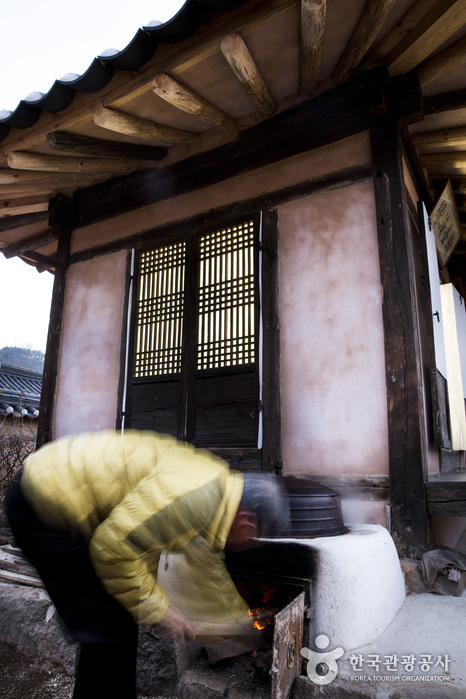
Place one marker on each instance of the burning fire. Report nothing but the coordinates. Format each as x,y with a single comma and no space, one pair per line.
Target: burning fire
264,600
263,617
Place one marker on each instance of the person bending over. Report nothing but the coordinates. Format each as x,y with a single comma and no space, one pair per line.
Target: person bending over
94,512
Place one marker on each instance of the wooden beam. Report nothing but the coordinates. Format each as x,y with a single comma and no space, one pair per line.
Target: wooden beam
13,191
11,222
141,128
444,19
102,148
374,14
446,494
444,102
44,262
356,486
313,13
187,101
402,28
452,57
31,244
246,70
438,139
56,163
20,178
330,116
447,160
15,207
315,186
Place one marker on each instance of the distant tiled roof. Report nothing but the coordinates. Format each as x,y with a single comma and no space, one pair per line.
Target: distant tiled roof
140,49
19,391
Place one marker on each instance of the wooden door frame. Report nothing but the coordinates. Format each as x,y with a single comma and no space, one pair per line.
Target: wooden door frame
270,454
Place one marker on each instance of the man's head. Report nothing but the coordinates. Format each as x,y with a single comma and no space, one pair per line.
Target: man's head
263,512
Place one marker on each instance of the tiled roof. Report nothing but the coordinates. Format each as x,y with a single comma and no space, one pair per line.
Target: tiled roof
139,50
19,391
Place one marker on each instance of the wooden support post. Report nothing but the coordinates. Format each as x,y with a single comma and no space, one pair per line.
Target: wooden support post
271,389
61,218
407,439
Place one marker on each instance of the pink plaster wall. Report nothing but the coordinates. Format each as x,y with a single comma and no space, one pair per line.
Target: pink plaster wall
90,348
333,375
334,400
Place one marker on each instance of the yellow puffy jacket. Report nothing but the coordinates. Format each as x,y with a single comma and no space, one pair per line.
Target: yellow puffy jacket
134,496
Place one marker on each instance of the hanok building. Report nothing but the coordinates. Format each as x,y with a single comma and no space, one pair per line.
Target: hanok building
20,391
237,208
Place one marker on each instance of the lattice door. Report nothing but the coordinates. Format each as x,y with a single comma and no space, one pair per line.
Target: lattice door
195,368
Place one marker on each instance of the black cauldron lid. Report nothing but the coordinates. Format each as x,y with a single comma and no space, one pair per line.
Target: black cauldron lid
315,510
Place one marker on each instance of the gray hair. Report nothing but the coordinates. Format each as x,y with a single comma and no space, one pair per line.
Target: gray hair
265,495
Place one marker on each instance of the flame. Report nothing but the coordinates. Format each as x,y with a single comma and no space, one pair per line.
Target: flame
263,617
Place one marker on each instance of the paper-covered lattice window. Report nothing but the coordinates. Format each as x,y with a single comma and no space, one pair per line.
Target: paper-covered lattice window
159,326
226,293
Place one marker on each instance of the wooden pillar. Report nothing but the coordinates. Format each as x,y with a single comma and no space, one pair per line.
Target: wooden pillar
271,384
407,438
61,218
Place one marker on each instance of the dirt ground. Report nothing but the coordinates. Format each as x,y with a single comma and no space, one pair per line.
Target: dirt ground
19,679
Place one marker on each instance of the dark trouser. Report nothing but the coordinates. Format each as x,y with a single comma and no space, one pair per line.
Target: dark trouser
106,631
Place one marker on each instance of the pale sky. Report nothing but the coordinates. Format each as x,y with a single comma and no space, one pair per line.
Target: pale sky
41,41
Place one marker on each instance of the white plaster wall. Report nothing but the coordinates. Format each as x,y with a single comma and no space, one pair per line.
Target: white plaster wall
88,370
333,365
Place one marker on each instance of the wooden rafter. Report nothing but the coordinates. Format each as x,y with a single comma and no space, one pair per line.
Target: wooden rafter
438,25
141,128
437,139
35,243
246,70
29,205
44,262
407,23
102,148
442,62
456,160
313,13
56,163
9,223
19,178
126,87
374,14
12,191
187,101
